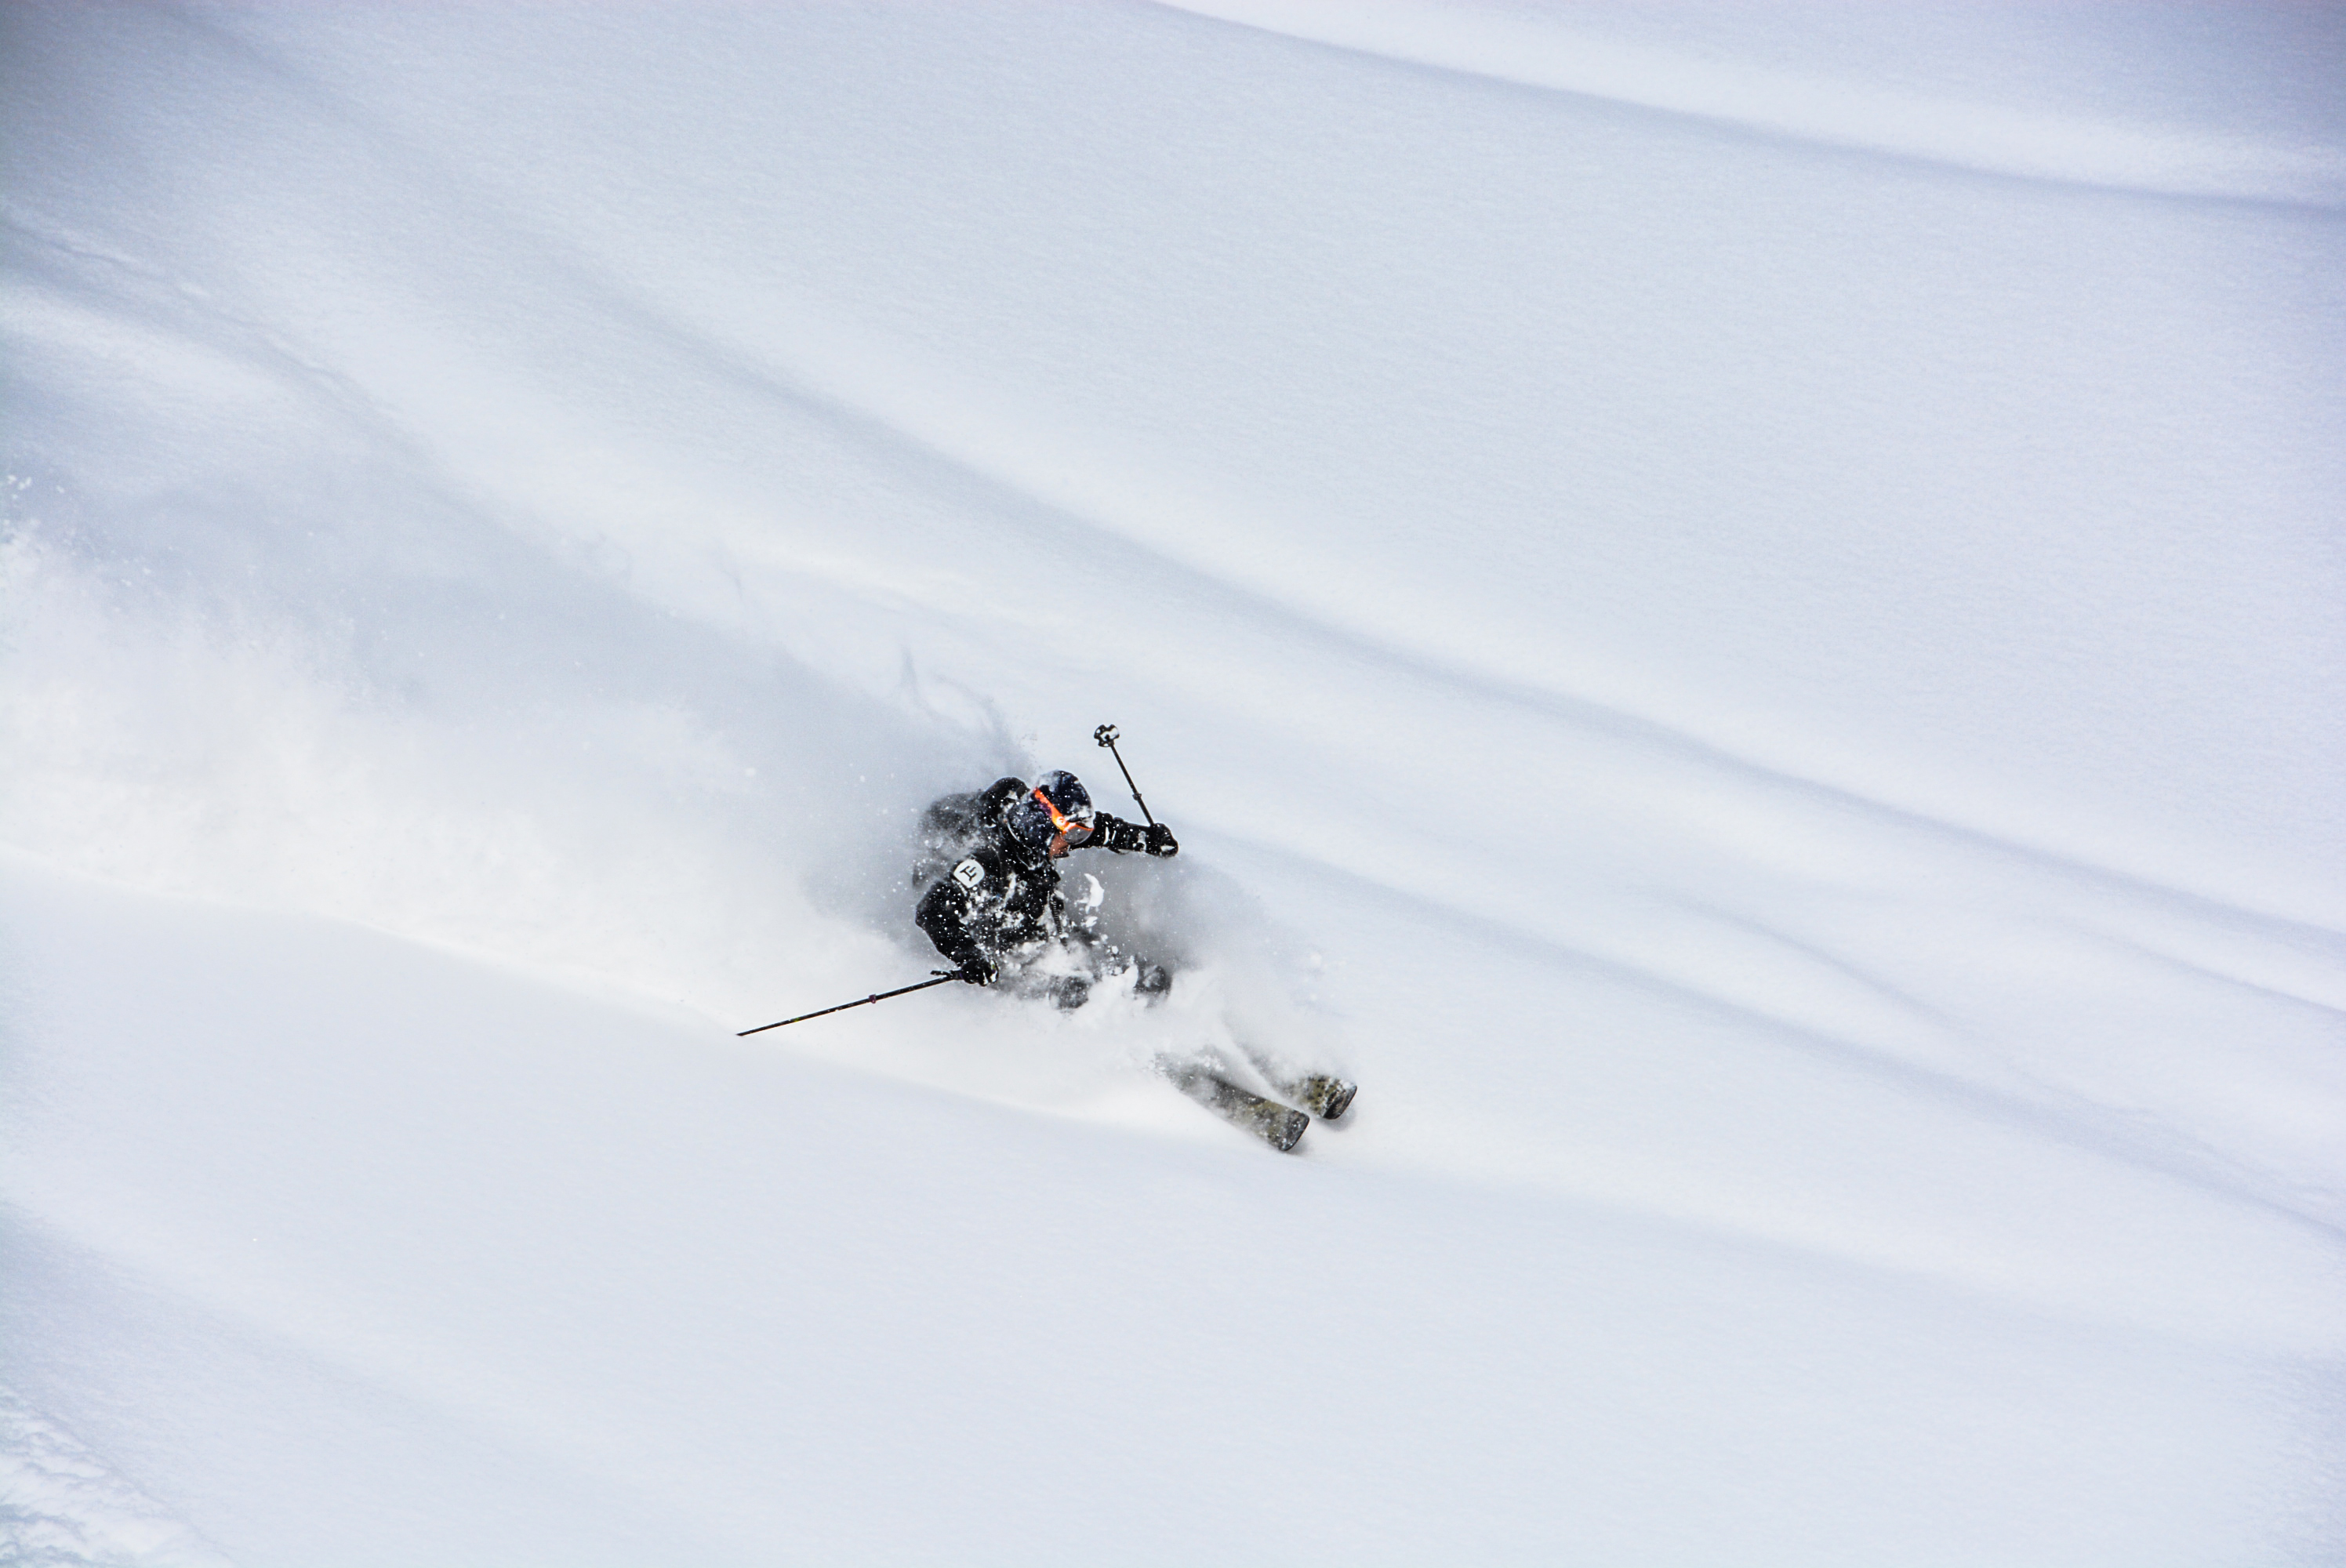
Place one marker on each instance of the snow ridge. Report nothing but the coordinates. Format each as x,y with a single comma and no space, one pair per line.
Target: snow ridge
1990,138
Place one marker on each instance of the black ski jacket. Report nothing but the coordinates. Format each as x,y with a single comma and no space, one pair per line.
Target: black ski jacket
987,893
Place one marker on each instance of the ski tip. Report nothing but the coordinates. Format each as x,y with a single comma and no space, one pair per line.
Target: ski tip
1324,1094
1289,1132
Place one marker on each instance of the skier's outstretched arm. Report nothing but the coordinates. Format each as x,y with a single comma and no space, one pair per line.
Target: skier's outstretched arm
1125,838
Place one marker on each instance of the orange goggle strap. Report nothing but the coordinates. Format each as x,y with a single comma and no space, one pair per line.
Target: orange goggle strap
1066,826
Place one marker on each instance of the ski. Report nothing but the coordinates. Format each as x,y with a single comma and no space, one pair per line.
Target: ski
1274,1124
1324,1094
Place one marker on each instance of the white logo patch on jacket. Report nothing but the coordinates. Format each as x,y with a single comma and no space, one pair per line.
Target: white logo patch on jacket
969,873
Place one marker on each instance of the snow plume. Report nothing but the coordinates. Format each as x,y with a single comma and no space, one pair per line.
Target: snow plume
479,751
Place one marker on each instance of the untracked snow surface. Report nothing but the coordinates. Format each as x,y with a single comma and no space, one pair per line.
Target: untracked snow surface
1741,614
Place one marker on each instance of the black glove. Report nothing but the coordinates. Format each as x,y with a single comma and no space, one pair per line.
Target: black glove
976,971
1160,840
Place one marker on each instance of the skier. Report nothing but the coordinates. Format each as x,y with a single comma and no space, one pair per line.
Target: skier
991,898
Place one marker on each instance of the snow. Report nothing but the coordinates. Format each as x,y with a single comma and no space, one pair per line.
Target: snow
1739,613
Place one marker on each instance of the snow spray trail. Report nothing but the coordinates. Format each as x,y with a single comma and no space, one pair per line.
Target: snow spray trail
62,1504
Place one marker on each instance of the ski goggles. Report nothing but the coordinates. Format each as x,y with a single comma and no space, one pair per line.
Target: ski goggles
1071,829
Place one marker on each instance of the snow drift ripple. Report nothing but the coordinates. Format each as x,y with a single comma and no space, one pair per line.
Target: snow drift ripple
1989,139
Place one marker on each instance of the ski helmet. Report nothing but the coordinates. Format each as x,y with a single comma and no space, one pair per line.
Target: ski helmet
1055,814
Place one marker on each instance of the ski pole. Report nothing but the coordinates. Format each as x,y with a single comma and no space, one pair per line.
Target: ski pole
1106,735
942,976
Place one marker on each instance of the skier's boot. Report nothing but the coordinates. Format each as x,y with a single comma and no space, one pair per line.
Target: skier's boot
1155,981
1325,1096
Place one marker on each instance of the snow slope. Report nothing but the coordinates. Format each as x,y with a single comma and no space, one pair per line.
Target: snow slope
1740,614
